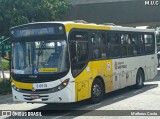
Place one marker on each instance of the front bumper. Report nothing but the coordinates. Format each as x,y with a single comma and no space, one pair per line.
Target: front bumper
66,95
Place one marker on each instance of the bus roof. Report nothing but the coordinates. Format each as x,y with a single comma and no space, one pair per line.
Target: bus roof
70,25
82,24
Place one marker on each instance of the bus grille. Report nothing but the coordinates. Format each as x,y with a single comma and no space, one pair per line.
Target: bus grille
42,97
40,91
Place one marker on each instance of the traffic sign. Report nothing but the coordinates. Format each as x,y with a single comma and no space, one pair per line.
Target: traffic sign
0,44
7,46
0,48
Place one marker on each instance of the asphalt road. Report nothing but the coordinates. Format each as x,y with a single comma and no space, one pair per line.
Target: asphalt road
116,105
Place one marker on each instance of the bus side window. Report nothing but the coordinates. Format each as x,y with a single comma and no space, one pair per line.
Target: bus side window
141,43
149,43
114,42
123,45
138,44
130,48
98,45
135,45
82,51
95,43
126,47
73,54
108,46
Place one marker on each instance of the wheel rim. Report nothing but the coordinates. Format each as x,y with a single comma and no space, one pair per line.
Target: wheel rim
96,90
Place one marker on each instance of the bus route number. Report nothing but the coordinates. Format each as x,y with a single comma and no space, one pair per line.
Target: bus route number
41,86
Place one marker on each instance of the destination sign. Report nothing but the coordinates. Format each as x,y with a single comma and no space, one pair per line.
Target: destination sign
37,31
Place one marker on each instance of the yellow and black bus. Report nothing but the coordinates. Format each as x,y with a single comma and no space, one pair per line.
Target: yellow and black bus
62,62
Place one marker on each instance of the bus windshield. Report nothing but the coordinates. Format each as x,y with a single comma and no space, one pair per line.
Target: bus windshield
40,57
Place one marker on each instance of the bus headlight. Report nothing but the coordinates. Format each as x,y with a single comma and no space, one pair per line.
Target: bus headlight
14,87
55,89
61,86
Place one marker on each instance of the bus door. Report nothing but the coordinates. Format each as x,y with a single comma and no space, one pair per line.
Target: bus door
150,54
78,44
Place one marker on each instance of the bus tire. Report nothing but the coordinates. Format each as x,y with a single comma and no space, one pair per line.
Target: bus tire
97,91
139,79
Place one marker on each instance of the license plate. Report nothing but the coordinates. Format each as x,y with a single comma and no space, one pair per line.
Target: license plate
35,96
41,86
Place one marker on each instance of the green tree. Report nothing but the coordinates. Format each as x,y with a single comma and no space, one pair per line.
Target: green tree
17,12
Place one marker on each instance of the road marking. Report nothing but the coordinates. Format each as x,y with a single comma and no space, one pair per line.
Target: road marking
137,91
118,97
93,105
61,116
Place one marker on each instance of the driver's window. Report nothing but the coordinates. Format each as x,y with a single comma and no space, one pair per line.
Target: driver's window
78,50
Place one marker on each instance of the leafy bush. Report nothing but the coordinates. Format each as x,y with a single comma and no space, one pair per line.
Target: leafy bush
5,87
17,12
5,65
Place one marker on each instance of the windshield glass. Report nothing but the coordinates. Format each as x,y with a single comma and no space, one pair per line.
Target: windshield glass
40,57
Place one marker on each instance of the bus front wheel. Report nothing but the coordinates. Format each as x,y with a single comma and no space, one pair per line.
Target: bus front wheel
139,79
97,91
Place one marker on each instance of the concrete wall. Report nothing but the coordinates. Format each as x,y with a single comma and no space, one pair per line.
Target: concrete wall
78,2
129,12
